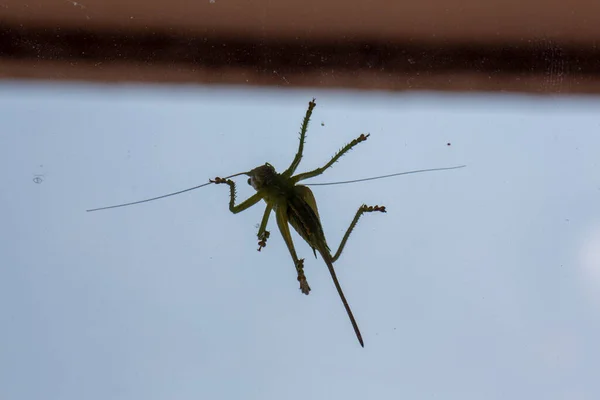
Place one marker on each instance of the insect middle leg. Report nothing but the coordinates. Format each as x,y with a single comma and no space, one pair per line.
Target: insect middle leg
344,150
263,233
363,209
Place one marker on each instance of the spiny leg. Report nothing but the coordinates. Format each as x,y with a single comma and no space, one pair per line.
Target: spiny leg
284,228
288,172
363,209
263,233
249,202
344,150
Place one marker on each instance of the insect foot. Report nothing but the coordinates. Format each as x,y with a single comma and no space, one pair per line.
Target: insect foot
218,180
362,137
367,208
304,288
262,239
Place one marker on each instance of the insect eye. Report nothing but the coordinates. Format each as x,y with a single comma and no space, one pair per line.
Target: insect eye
249,181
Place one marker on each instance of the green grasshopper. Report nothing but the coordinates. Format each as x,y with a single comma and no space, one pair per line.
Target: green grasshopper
295,205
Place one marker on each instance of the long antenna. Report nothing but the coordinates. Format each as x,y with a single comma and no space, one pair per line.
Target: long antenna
307,184
385,176
161,197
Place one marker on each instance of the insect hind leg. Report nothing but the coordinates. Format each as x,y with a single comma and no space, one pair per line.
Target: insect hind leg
362,209
287,237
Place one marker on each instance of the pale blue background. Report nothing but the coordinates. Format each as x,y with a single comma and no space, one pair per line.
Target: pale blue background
479,283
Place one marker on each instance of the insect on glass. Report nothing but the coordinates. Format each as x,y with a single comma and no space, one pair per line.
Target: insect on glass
295,205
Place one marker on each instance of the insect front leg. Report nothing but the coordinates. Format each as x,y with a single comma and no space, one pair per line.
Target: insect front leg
363,209
263,233
284,228
288,172
344,150
249,202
